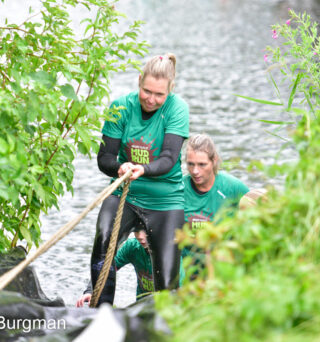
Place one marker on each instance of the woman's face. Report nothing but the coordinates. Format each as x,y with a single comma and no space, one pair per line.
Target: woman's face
153,93
200,168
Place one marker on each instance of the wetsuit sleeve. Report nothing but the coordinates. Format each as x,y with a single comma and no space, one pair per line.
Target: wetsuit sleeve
108,156
89,288
171,148
123,256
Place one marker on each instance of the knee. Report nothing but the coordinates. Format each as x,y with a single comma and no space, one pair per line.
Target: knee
166,277
166,283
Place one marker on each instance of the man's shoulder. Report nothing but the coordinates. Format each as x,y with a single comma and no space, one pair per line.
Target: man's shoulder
132,243
129,250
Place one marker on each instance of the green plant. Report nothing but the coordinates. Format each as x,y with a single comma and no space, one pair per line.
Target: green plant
54,85
262,266
293,60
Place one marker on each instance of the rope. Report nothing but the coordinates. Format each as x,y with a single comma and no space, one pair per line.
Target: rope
111,250
6,278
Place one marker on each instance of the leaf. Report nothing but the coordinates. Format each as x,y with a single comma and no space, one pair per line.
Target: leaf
54,178
274,84
68,91
3,191
11,141
13,195
4,147
40,191
26,234
293,91
278,122
260,101
44,78
36,169
277,136
85,137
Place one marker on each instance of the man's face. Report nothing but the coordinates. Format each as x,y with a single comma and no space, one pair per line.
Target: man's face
200,168
141,236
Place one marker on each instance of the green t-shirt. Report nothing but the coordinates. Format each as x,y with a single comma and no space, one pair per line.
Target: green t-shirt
132,252
226,191
141,143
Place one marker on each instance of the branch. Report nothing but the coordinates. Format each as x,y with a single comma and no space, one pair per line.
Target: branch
15,238
32,16
14,28
4,77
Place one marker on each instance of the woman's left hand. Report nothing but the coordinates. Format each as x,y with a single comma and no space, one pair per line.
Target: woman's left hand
137,170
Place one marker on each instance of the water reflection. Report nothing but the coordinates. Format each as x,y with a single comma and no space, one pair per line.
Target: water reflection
219,46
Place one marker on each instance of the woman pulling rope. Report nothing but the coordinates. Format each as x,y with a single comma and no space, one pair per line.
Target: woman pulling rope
147,140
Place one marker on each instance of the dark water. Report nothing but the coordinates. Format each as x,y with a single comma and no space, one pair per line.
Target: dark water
219,46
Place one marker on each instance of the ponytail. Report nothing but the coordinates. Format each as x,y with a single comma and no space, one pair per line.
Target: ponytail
161,67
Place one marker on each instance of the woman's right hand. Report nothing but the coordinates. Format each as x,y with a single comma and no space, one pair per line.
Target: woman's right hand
124,168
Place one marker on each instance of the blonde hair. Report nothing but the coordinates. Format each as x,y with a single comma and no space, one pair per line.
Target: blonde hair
203,143
161,67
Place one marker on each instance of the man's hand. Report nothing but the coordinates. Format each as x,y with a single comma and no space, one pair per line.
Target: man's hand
85,298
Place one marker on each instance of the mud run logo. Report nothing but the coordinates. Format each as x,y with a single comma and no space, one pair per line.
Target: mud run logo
26,325
138,152
198,221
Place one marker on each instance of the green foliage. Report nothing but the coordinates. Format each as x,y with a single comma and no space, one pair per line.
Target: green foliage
266,304
53,84
298,59
261,280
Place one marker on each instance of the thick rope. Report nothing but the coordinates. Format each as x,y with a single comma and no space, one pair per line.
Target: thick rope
111,250
6,278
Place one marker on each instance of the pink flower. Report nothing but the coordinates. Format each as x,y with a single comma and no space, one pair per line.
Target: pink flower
265,57
315,53
274,34
288,22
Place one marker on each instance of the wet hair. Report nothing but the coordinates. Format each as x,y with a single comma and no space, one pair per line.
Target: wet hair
161,67
139,226
203,143
138,229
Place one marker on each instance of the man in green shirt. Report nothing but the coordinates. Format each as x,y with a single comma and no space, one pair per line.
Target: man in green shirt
207,190
134,251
